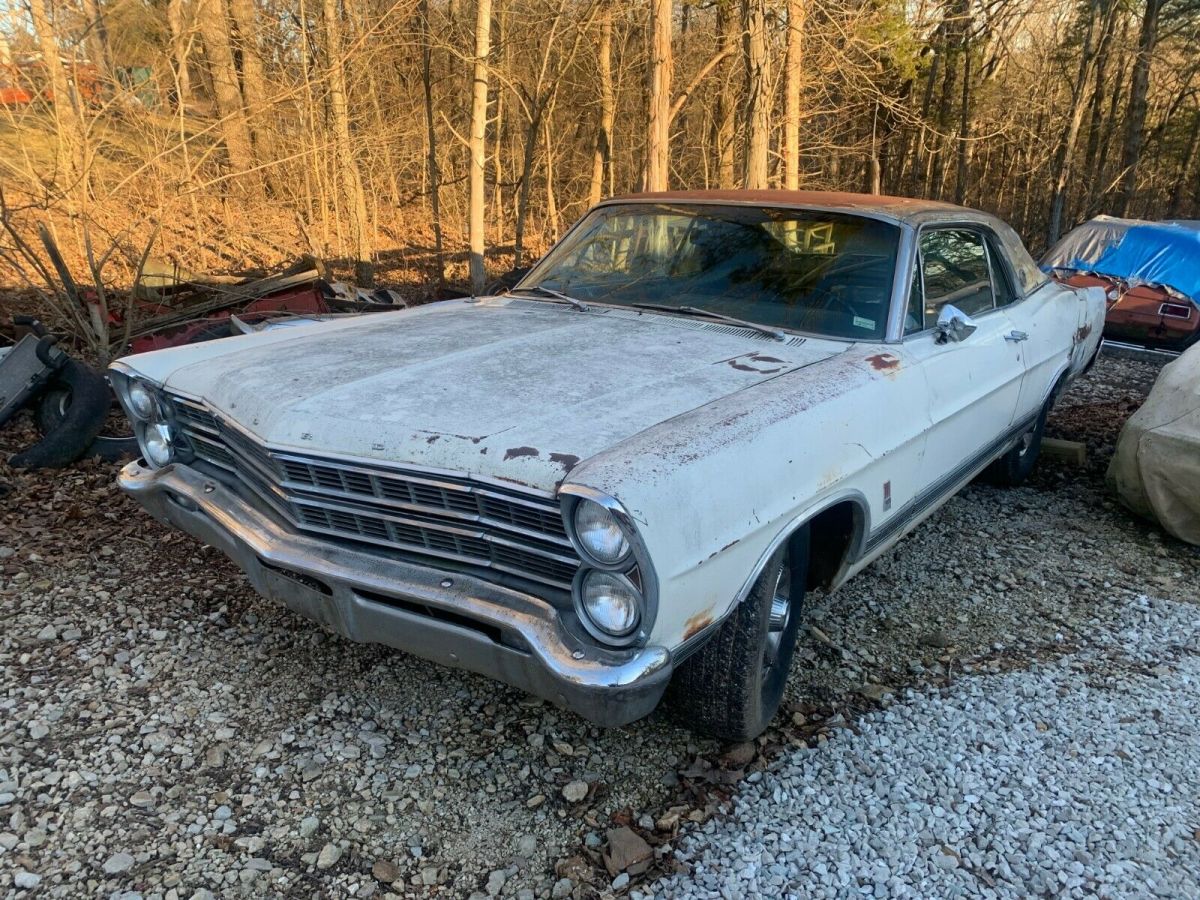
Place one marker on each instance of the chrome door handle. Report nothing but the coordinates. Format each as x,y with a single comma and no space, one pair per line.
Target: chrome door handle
1016,336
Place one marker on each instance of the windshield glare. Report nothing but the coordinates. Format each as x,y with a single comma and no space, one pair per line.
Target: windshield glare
804,270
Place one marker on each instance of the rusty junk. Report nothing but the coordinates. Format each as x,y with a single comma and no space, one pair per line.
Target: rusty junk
168,307
1149,271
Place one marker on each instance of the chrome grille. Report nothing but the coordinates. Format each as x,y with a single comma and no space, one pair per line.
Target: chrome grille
412,513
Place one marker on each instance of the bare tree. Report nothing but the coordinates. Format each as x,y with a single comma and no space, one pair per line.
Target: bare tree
254,81
793,80
1065,155
478,147
351,181
180,46
602,154
431,158
758,100
213,23
71,162
1135,118
658,142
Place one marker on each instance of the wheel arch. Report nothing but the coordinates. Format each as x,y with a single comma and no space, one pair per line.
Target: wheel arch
838,528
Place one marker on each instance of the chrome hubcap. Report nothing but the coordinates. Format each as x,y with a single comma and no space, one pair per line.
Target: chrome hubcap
781,614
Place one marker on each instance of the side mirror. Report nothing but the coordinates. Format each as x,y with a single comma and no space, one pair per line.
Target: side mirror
953,325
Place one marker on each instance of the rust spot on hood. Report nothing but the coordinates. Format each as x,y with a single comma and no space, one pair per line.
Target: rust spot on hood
514,452
568,461
697,623
884,362
1083,332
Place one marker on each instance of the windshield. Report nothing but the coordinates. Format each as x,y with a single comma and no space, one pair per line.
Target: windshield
806,270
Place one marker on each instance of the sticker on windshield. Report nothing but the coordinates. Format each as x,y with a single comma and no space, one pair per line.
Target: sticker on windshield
860,322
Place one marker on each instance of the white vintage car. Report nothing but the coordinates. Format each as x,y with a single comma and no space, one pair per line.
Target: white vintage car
626,471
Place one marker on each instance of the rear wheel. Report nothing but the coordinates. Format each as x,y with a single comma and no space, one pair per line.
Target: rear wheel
731,688
1016,465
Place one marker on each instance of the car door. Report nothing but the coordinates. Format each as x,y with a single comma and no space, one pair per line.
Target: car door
1045,323
973,385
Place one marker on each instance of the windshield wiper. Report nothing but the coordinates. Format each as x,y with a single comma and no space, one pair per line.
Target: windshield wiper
697,311
559,295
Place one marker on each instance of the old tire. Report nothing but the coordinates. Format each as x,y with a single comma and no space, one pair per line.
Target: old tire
80,421
1016,465
732,686
52,409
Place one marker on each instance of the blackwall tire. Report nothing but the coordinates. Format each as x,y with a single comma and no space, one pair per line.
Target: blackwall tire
80,421
731,687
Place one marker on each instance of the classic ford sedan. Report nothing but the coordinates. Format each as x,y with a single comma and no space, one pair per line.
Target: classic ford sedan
624,473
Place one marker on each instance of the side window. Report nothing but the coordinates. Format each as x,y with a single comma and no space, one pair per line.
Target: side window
955,267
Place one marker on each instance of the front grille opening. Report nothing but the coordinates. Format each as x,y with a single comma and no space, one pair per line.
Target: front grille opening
491,632
299,577
495,532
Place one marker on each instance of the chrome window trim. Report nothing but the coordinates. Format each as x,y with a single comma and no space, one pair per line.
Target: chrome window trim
875,215
984,232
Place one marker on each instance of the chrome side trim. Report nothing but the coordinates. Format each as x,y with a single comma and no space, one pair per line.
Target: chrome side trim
945,486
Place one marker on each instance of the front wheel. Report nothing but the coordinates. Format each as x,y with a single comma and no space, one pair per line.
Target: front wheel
731,688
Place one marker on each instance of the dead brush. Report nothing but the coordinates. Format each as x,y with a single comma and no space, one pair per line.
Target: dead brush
84,317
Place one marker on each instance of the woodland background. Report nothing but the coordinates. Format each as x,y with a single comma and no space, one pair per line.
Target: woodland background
435,141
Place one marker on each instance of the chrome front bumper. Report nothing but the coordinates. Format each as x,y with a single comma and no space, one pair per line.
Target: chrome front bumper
447,617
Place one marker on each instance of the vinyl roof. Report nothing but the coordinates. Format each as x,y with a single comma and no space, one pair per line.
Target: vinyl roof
896,207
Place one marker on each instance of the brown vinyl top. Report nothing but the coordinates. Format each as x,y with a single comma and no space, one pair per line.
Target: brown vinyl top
897,207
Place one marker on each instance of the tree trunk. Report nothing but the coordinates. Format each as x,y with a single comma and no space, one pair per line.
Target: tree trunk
602,152
501,29
1182,180
658,143
758,101
964,114
477,145
531,138
348,174
435,206
214,30
254,80
70,155
793,78
98,44
726,111
1135,115
180,44
1065,155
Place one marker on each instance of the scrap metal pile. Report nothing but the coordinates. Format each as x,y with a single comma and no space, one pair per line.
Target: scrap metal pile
71,401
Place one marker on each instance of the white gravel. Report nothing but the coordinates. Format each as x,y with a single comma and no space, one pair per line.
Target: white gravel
1077,777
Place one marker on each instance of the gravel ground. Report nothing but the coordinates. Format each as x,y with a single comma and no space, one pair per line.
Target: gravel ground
1075,778
165,733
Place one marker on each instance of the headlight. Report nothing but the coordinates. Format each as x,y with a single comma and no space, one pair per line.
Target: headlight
157,444
600,534
141,401
610,606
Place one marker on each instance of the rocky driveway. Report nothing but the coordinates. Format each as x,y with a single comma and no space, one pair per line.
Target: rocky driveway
166,733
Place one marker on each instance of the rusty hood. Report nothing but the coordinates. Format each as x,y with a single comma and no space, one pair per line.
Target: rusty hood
507,388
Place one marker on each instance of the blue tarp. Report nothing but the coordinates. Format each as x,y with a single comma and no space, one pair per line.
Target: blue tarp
1155,253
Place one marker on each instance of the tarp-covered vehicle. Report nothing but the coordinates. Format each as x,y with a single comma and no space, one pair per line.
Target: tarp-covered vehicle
1149,270
1156,467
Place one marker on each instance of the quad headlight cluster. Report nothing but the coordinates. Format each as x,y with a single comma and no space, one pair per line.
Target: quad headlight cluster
613,590
143,403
